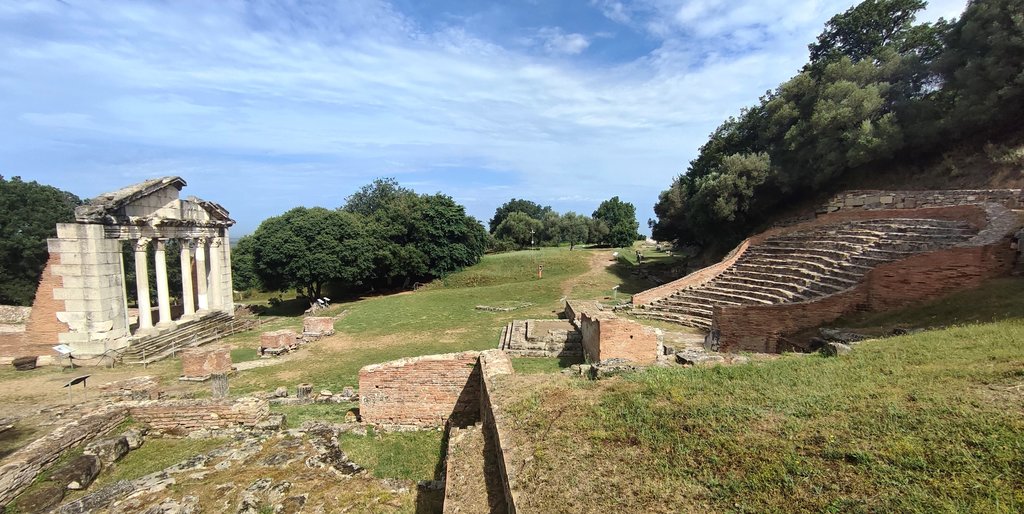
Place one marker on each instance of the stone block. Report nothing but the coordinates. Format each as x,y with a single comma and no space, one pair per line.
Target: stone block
78,473
108,450
318,326
278,339
203,362
43,498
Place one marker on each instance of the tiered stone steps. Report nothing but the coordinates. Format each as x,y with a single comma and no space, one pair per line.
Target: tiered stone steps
807,265
146,350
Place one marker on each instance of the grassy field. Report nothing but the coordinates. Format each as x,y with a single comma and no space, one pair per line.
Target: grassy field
932,422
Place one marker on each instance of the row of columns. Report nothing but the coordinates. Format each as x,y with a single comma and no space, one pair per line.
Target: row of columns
207,295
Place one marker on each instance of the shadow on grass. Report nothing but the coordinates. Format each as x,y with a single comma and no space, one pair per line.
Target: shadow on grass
431,501
12,440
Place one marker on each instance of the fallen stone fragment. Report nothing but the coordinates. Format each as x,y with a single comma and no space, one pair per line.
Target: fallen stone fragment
281,392
836,349
698,358
78,473
108,450
135,437
41,499
841,335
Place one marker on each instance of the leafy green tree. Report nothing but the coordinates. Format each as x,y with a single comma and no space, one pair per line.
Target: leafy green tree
375,196
574,228
29,213
983,68
308,248
551,229
531,209
243,265
519,228
597,231
621,220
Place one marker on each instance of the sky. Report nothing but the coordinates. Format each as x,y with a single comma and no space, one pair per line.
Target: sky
262,106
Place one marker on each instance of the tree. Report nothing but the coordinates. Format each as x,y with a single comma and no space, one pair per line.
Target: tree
597,231
375,196
307,248
863,30
243,265
519,228
551,229
621,220
29,213
531,209
573,228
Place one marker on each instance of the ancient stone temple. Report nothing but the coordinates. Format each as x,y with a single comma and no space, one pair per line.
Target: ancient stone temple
82,297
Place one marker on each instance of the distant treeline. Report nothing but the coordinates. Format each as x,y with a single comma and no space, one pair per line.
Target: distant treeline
876,85
520,223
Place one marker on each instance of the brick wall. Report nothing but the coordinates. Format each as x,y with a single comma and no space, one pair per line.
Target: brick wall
203,362
421,391
181,416
318,326
42,327
892,285
606,336
278,339
21,467
494,365
870,199
973,214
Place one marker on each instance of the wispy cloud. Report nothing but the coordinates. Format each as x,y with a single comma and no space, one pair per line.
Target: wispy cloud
316,98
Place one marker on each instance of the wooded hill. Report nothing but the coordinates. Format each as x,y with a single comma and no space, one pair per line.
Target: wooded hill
879,93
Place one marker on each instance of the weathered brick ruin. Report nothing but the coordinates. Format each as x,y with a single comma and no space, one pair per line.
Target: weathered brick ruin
278,340
200,363
542,338
422,391
317,326
81,299
607,336
870,251
178,417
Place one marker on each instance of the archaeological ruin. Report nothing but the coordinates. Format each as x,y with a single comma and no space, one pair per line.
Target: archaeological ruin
864,251
82,299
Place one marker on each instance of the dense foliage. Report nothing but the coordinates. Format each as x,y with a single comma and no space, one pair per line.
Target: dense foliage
384,236
29,213
877,85
620,217
520,223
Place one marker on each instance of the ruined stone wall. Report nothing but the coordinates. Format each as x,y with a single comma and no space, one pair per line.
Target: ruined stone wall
87,292
973,214
42,328
606,336
873,199
495,364
19,469
203,362
923,277
421,391
181,416
14,314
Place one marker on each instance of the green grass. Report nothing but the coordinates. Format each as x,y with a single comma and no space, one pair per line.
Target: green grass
244,354
539,365
434,319
997,299
926,423
405,455
296,415
154,455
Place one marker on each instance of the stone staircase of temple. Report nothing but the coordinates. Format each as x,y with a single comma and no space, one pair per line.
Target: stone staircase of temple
145,350
807,265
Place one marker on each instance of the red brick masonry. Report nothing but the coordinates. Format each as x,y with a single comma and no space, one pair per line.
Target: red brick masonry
421,391
203,362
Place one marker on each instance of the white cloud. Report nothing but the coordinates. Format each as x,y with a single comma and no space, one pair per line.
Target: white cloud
556,42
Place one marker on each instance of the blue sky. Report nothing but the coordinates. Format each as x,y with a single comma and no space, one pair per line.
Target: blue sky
266,105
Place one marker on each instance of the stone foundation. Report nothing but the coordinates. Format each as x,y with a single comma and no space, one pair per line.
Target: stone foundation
21,467
869,200
541,338
278,339
200,363
606,336
421,391
178,417
317,327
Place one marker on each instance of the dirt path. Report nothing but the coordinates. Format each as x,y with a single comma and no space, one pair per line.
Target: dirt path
600,261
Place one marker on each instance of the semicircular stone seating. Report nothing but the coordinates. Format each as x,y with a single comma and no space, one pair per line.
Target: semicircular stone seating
803,266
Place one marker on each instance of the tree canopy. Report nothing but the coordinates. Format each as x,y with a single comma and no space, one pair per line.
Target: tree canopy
877,85
384,236
29,214
531,209
620,217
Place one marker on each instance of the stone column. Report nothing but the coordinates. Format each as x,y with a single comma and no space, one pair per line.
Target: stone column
201,293
216,285
187,300
163,291
142,284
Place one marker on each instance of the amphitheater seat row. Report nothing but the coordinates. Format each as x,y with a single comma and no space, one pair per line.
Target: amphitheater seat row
807,265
